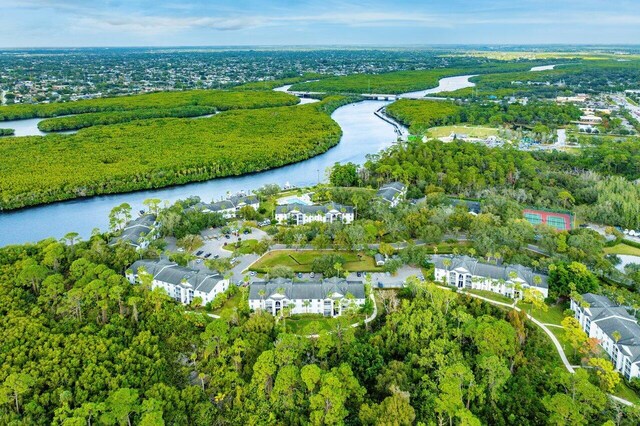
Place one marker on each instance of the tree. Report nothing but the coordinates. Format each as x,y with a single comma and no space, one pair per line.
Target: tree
281,271
119,216
562,276
121,404
344,175
153,205
536,298
608,377
395,410
71,237
386,249
574,333
14,387
190,243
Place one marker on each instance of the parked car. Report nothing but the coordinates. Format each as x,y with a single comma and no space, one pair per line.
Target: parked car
216,256
199,261
359,274
199,252
312,275
246,231
299,274
208,255
227,236
252,273
180,250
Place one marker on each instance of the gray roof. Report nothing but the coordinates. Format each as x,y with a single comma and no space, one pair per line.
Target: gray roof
472,206
301,208
378,257
489,270
248,199
390,191
203,280
135,229
398,186
611,318
220,205
228,204
308,289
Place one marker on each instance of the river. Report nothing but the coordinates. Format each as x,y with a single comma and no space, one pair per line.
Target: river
363,133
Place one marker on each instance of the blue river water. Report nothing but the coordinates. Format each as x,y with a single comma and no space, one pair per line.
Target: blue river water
363,133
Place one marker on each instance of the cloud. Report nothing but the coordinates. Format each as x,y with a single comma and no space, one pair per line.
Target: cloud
155,24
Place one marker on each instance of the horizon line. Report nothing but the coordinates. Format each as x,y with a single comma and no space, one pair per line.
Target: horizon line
313,45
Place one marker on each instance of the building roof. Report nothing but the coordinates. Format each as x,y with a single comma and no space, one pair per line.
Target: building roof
220,205
203,280
390,191
472,206
244,200
378,257
496,272
325,289
612,318
313,210
135,229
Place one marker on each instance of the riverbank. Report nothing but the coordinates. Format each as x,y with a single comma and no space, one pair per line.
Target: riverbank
363,133
150,153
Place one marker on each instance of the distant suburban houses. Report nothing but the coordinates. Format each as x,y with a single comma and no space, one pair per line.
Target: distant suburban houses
330,297
469,273
617,331
229,208
180,283
392,193
137,233
300,214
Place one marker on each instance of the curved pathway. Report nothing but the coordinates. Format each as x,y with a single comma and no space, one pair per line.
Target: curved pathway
553,338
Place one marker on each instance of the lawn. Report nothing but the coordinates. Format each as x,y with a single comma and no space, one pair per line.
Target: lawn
490,295
306,324
568,350
245,246
622,249
625,392
471,131
300,261
230,306
554,314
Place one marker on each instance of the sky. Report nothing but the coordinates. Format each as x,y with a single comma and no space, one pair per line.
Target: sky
78,23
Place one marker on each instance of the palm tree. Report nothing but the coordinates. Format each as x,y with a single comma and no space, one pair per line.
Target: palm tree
262,293
306,305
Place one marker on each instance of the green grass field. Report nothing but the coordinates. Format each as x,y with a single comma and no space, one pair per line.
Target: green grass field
625,392
230,305
490,295
245,246
306,324
471,131
300,261
554,315
623,249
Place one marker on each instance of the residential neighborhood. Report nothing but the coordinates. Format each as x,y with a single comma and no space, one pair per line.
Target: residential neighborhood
464,272
300,214
617,332
330,297
180,283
